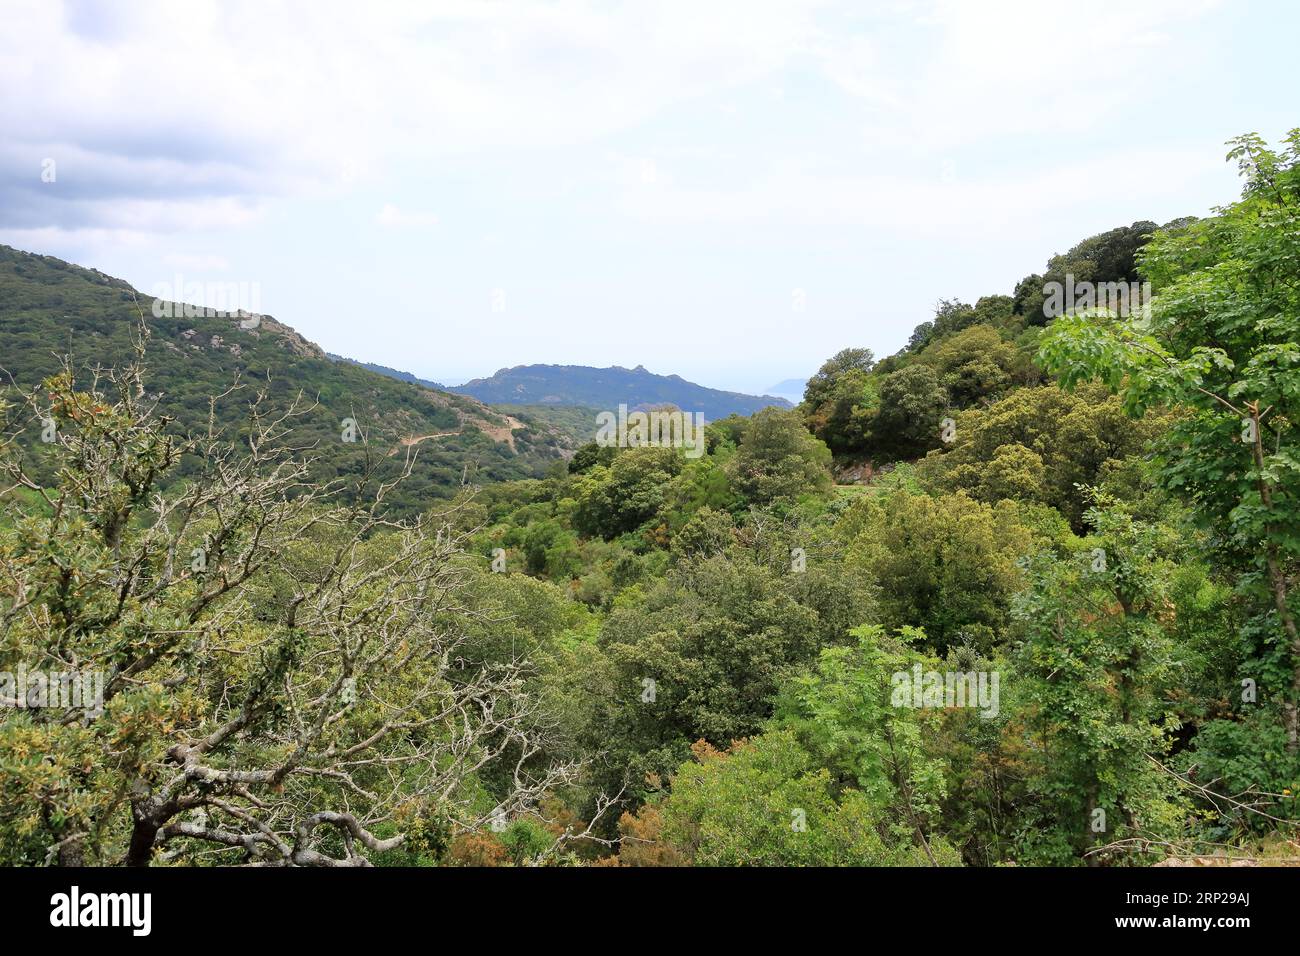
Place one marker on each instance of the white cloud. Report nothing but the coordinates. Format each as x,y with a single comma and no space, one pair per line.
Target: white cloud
76,242
244,99
980,71
925,203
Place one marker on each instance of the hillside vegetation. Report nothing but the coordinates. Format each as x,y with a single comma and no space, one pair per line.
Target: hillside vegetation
50,309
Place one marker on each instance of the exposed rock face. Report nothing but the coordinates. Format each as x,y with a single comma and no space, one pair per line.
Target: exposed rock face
286,337
258,325
858,474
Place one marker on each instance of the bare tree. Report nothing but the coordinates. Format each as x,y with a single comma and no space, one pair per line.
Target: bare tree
284,679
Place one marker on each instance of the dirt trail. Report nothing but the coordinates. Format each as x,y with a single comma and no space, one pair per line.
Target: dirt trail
416,439
504,433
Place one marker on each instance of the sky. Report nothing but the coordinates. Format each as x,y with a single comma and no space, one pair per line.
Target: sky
729,191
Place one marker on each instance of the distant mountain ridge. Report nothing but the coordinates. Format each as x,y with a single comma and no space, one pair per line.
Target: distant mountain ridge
607,388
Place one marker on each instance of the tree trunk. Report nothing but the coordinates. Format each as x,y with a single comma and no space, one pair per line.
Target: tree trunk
1278,583
142,838
1290,708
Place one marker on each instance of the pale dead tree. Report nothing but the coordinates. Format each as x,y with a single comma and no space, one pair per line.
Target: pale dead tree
1251,802
605,803
285,681
767,534
770,534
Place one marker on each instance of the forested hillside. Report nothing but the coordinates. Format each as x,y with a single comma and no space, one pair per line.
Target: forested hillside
51,310
1044,617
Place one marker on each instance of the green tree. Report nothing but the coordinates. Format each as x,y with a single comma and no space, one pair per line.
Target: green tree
1077,437
946,564
843,418
1107,257
1221,343
912,404
846,712
591,454
701,653
766,803
779,461
1096,665
975,364
1016,472
822,386
620,497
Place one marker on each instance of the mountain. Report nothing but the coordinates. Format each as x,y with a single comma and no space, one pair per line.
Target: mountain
607,388
50,308
791,388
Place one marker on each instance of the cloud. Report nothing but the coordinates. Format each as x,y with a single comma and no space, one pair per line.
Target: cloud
74,243
924,203
392,216
231,103
956,72
166,118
